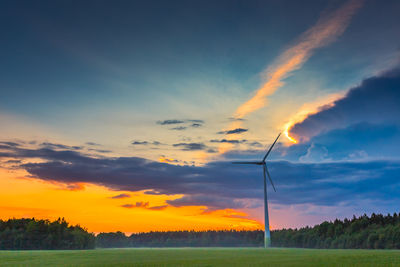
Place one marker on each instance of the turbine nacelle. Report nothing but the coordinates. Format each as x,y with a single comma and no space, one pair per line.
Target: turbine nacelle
263,163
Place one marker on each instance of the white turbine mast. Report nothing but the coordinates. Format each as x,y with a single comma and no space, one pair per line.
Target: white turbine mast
267,234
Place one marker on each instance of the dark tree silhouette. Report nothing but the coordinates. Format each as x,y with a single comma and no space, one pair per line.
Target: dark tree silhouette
43,234
374,232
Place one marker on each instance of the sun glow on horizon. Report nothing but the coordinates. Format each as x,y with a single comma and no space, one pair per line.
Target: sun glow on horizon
100,209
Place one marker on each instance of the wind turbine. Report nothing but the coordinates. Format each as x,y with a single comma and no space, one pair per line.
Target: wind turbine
267,234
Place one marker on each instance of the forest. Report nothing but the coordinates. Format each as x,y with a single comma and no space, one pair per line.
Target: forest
211,238
365,232
374,232
43,234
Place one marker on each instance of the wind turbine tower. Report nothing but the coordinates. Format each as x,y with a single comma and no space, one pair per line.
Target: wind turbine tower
267,234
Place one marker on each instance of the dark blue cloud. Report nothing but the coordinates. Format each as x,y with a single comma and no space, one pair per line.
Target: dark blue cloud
59,146
359,141
136,142
9,143
188,123
190,146
100,150
196,121
236,119
168,122
234,131
92,144
220,184
363,125
228,141
121,196
375,101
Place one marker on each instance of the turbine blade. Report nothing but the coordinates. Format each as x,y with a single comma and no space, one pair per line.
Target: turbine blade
247,162
269,176
269,151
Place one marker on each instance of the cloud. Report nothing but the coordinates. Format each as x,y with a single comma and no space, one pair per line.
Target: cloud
250,144
236,119
168,122
144,205
358,141
363,124
234,131
191,146
218,184
188,123
137,205
140,143
310,108
59,146
121,196
196,121
13,161
315,153
128,206
100,150
75,186
155,143
162,207
325,31
256,144
165,159
375,101
228,141
92,144
9,143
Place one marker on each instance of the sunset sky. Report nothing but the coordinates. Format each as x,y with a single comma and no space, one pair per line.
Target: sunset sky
125,115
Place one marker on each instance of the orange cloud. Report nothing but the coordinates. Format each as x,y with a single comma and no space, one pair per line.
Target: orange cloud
164,159
326,30
75,186
308,109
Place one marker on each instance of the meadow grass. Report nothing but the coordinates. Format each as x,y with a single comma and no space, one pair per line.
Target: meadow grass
201,257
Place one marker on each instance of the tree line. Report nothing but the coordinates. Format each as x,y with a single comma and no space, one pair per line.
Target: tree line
374,232
43,234
210,238
368,232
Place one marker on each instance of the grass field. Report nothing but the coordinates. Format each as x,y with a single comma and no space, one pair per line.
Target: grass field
201,257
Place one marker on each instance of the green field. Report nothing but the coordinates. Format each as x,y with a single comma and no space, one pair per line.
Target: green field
201,257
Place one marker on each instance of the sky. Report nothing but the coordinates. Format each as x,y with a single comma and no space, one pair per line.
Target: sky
126,115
